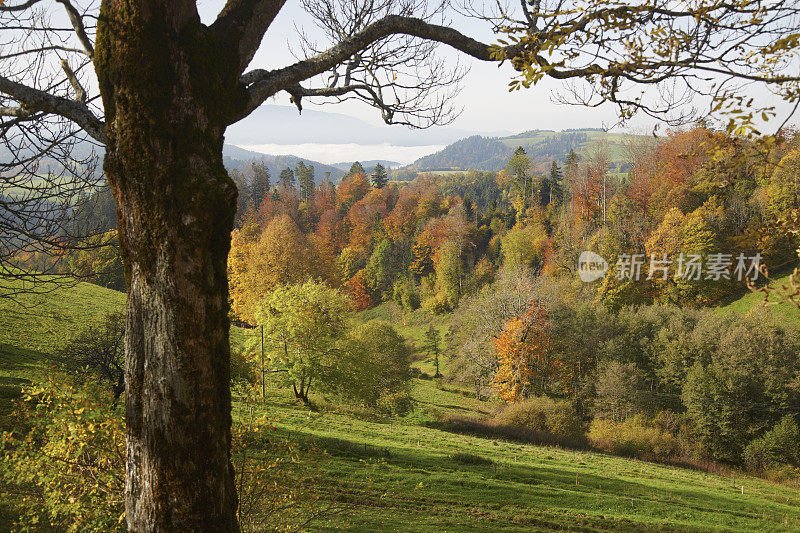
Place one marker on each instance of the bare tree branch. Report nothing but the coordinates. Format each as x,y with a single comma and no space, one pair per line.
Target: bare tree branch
80,29
36,100
264,84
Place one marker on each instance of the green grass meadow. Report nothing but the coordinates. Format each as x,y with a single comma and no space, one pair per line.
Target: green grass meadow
400,474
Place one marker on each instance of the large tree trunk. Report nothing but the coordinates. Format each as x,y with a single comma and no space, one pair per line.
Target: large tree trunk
166,91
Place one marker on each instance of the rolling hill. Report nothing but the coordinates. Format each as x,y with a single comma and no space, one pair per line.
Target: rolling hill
407,473
542,146
239,158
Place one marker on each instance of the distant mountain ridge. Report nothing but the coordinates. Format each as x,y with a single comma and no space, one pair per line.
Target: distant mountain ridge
542,146
239,158
276,124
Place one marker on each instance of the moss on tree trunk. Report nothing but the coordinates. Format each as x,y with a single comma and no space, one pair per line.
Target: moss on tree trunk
166,92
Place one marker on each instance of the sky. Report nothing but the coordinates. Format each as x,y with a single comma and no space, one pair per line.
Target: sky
487,104
485,99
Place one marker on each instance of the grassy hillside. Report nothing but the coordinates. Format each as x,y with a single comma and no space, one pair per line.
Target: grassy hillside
752,303
37,325
403,474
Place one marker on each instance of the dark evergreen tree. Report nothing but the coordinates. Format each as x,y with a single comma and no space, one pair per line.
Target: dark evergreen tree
572,159
379,178
356,168
469,209
259,183
286,178
556,187
305,177
545,191
244,201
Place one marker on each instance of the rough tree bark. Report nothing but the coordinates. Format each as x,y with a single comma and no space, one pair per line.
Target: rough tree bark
165,119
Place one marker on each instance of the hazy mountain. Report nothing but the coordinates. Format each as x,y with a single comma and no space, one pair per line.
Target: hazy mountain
542,146
238,158
369,165
274,124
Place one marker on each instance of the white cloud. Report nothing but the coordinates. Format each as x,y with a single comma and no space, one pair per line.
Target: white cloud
338,153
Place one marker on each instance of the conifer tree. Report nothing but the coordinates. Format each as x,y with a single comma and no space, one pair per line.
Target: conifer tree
259,183
379,178
556,188
286,178
305,177
356,168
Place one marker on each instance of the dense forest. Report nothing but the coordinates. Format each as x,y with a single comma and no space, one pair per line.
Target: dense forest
499,250
482,153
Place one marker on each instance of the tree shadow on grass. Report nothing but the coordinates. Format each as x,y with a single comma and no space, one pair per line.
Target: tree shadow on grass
602,501
16,360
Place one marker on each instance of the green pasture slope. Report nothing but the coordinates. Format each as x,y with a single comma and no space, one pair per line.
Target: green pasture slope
753,303
615,142
397,474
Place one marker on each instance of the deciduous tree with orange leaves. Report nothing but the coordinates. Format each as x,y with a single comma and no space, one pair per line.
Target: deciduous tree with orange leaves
358,291
521,349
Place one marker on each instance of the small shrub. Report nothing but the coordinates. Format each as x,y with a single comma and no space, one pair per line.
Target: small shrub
635,437
73,451
560,419
529,415
241,370
398,403
98,350
783,474
669,422
493,429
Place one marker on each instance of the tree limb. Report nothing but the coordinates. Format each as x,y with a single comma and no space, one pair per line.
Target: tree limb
80,92
80,29
263,84
36,100
244,22
19,7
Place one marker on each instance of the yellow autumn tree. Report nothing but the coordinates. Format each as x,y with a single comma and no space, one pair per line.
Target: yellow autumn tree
521,349
280,255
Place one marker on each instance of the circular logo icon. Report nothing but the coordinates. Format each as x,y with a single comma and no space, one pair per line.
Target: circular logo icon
591,266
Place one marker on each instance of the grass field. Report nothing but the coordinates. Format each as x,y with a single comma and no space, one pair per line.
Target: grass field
615,142
400,474
752,303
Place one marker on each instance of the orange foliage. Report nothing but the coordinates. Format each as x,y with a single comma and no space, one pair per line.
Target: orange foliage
357,290
666,182
365,214
331,231
323,200
522,353
285,202
351,190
